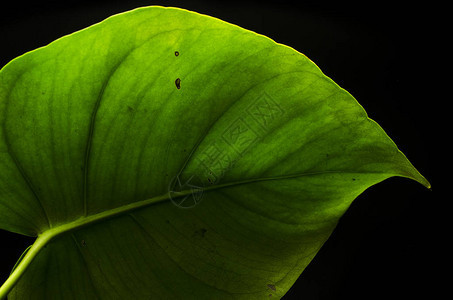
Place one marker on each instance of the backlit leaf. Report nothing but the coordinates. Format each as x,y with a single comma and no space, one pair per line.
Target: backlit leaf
164,154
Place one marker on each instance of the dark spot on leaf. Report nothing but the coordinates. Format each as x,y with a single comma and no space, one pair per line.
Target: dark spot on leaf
167,221
272,287
176,53
353,179
200,232
83,243
178,83
130,109
210,181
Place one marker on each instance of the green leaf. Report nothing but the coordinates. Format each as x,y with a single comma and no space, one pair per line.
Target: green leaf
164,154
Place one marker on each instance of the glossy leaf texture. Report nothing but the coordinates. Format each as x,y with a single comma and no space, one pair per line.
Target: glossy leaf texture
164,154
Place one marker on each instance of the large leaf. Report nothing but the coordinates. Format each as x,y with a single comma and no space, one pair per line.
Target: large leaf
164,154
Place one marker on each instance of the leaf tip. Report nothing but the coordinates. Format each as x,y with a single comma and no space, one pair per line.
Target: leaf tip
420,179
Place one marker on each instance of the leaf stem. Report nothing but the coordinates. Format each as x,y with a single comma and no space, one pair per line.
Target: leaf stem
40,242
44,238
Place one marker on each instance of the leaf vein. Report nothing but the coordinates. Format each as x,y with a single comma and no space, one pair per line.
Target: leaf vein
86,265
91,134
27,181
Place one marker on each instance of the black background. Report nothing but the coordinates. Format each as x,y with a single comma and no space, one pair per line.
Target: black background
388,244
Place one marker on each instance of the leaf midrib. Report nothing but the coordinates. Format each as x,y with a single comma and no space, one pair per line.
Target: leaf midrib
125,209
47,236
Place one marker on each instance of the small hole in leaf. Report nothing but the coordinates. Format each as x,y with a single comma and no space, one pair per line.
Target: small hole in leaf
176,53
178,83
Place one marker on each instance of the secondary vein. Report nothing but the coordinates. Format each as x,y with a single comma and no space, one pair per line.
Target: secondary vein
91,133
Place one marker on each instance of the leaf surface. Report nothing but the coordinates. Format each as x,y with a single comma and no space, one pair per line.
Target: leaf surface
164,154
